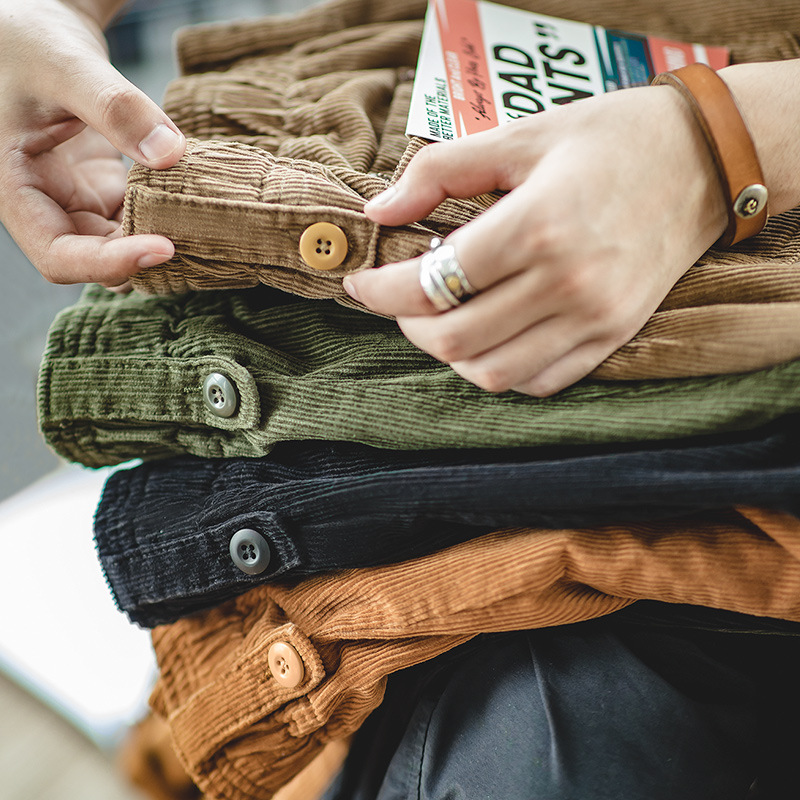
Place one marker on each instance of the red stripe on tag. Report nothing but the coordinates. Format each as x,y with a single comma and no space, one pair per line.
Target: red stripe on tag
668,55
474,108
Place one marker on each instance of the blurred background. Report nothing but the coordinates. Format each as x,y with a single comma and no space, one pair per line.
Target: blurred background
74,674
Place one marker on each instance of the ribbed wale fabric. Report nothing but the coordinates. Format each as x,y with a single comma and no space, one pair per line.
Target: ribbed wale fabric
163,529
241,735
123,377
231,208
317,118
754,31
236,215
317,102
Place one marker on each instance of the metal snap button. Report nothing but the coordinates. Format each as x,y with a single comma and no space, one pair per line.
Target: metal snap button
323,245
220,395
249,551
285,665
750,201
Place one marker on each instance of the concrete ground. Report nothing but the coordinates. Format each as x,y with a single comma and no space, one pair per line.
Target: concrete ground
42,757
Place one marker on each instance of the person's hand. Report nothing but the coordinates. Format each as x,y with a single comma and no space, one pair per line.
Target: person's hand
61,183
610,201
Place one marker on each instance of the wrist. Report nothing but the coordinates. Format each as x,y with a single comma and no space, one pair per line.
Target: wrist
766,94
695,184
717,115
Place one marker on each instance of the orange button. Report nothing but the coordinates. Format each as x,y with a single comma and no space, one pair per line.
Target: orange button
323,245
285,665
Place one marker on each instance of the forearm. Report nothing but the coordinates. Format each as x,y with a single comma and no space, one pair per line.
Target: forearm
768,95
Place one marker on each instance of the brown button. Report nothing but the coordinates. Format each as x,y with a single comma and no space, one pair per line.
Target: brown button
323,245
285,665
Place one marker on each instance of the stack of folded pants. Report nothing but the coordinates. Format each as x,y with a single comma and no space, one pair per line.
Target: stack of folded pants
542,592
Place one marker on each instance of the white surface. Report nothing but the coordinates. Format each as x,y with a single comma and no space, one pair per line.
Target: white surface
60,632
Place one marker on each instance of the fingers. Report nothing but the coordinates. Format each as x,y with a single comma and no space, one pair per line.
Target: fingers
88,223
540,361
463,168
61,185
67,69
502,340
534,332
82,247
100,185
123,114
393,290
89,145
539,321
485,322
567,370
82,258
493,247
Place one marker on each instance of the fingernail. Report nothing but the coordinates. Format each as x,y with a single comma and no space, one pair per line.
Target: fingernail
123,288
151,259
382,199
350,288
161,142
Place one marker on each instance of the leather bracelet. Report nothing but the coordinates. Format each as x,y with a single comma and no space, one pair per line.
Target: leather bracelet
735,157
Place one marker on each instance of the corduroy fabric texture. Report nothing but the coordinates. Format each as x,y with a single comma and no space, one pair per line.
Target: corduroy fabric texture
254,208
754,31
147,759
241,735
317,120
123,376
163,529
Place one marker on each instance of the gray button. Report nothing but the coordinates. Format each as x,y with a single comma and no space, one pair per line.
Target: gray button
249,551
220,395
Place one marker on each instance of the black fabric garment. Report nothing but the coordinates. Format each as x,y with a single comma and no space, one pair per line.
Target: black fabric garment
163,528
606,709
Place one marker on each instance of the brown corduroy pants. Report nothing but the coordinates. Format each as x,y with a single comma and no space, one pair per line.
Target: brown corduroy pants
241,734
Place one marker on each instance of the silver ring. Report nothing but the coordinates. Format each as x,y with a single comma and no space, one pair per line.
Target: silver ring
441,277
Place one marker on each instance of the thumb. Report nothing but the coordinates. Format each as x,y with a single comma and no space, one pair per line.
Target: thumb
108,102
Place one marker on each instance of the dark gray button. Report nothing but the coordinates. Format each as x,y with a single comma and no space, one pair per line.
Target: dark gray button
220,395
249,551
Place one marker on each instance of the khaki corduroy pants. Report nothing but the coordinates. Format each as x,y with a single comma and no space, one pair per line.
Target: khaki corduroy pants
307,118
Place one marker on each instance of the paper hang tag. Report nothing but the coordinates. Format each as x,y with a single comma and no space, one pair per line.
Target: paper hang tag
482,64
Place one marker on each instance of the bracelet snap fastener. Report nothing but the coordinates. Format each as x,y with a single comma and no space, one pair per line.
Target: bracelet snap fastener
751,200
715,110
